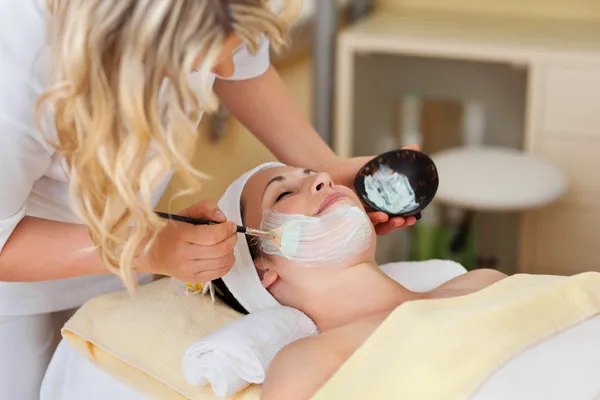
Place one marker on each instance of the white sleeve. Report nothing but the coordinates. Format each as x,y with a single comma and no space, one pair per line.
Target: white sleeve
24,154
24,160
249,66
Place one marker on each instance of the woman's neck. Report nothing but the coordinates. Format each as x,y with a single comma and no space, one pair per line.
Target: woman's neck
352,294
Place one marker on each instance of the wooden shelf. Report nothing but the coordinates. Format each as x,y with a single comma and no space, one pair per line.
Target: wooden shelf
479,36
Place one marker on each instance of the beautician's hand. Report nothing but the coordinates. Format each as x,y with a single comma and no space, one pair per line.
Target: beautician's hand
194,253
343,172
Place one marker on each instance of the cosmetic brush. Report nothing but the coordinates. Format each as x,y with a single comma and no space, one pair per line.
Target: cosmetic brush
273,235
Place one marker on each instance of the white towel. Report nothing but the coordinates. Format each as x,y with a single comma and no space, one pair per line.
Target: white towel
240,353
242,280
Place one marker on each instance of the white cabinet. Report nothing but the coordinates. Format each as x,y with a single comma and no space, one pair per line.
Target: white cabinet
570,99
565,130
562,240
562,112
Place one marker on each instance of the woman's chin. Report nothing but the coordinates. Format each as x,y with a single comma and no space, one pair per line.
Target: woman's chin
347,262
344,202
328,265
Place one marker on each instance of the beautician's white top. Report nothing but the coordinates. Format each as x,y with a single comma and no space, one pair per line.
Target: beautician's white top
496,179
32,178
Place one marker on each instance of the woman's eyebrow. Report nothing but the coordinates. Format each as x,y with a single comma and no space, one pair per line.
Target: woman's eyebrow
278,178
281,178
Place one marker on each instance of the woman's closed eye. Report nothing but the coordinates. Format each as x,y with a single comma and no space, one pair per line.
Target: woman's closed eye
283,195
288,185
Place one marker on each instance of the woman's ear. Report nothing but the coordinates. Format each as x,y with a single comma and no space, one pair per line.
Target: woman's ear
269,277
266,273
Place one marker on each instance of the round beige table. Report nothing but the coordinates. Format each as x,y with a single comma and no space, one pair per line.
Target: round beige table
496,179
493,179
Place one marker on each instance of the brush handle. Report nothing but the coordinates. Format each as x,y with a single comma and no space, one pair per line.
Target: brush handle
193,221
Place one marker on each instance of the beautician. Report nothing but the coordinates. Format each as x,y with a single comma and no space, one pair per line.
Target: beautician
99,101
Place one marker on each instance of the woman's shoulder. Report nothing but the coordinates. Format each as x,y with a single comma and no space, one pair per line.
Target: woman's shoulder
301,368
470,282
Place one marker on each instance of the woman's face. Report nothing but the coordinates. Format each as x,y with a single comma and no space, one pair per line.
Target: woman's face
290,190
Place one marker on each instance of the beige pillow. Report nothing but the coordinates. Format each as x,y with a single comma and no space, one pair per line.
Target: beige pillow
141,340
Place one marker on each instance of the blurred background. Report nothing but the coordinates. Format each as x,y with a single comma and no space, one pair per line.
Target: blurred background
504,95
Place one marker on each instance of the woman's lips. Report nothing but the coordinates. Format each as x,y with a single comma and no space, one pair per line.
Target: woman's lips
329,200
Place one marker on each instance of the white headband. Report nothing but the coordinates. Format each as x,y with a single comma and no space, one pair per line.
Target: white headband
243,281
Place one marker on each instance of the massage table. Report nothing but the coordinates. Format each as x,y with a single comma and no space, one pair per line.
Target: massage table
564,366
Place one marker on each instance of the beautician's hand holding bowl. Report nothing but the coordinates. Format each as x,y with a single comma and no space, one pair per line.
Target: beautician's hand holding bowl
345,171
399,183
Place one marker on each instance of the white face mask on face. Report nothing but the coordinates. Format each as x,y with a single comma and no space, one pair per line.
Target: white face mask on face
338,235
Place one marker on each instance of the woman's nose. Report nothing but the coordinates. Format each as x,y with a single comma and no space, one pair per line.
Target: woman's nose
320,181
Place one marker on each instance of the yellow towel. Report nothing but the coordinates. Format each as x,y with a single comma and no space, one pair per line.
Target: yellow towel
445,349
142,341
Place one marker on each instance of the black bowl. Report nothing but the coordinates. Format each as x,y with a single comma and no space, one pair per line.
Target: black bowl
416,166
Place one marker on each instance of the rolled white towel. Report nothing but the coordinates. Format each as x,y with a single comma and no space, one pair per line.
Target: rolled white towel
240,352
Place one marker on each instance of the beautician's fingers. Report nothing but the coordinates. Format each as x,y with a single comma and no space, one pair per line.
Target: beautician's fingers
209,270
393,224
385,228
412,147
205,209
221,249
378,217
209,235
410,221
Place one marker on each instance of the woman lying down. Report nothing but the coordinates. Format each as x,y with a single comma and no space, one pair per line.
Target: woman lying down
329,273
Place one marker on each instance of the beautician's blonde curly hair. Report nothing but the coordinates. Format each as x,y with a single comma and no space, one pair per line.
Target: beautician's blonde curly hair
110,59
